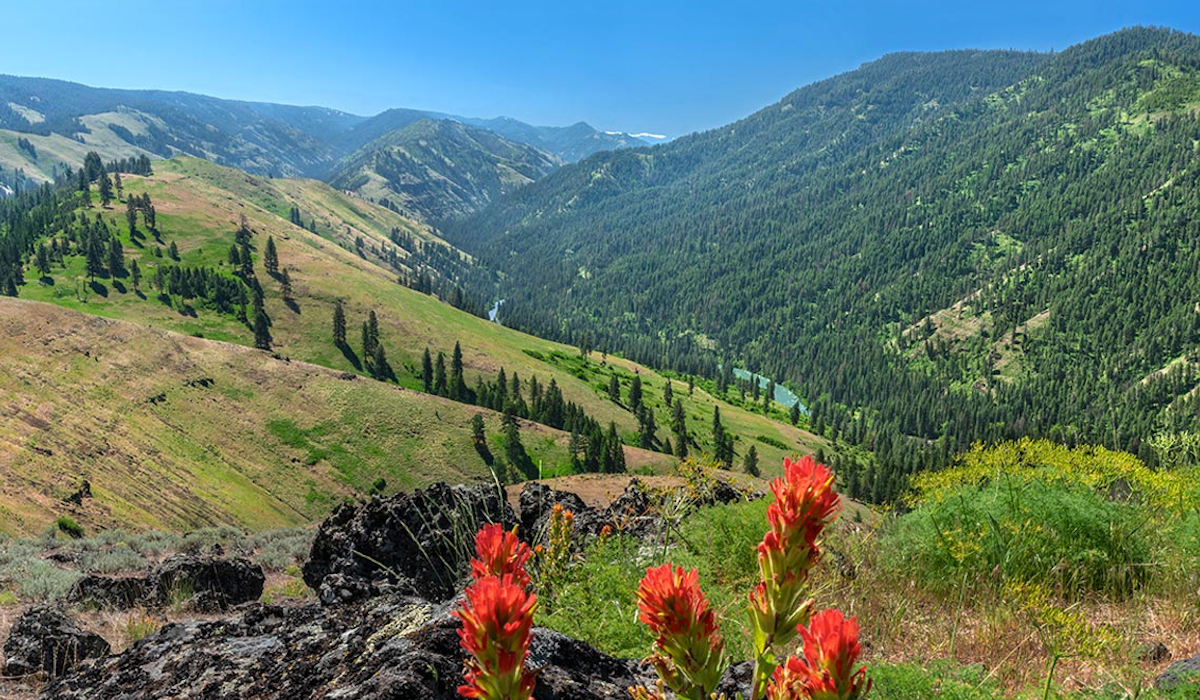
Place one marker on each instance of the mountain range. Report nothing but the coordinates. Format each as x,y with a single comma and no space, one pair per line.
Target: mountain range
46,125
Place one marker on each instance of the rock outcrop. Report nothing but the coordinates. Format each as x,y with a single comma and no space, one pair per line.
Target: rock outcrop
419,543
203,582
388,647
44,639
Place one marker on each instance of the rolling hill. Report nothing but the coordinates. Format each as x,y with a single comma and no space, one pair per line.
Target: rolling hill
355,255
1036,209
175,432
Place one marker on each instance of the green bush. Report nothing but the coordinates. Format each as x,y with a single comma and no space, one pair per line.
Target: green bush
598,604
1058,534
69,527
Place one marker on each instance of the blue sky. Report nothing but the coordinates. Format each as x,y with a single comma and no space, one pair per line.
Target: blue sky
666,67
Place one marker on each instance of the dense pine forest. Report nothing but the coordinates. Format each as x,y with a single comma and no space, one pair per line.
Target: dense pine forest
971,246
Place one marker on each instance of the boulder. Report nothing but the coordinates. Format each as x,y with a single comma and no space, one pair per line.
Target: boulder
113,592
45,639
537,501
419,543
384,648
210,583
1179,673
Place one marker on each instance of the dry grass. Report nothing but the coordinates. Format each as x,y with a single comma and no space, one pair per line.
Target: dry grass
904,623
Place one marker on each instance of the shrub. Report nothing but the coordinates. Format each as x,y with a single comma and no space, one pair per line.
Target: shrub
69,527
1053,533
111,561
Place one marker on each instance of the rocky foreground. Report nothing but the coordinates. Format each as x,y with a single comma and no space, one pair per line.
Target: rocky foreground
387,573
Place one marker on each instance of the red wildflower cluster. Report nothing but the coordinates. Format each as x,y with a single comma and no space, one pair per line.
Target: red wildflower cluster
826,671
498,553
688,648
689,651
497,619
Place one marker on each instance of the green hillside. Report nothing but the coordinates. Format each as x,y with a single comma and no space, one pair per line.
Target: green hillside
353,257
175,432
1037,210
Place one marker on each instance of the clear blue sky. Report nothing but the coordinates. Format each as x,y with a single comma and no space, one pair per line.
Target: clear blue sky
667,67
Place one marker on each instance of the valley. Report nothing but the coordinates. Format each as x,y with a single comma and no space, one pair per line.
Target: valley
887,390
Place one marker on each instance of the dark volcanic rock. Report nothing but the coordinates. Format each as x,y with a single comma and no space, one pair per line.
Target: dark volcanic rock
390,647
417,543
113,592
537,500
211,583
1178,673
44,639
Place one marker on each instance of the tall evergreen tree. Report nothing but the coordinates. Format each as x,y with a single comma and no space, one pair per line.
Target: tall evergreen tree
271,258
339,324
427,372
135,274
458,387
439,375
794,413
262,330
635,393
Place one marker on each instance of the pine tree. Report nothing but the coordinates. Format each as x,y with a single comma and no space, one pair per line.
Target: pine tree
614,389
368,350
458,387
135,274
93,264
43,260
116,258
105,190
285,286
668,394
131,215
439,375
635,393
262,331
271,258
750,463
427,372
514,450
117,184
379,363
477,431
794,413
339,324
173,251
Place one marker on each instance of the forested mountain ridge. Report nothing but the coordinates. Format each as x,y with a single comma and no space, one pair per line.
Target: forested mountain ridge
437,169
47,124
1053,195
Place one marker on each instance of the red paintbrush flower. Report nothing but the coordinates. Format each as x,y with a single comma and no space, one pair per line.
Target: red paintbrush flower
805,503
497,619
499,553
826,671
689,650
